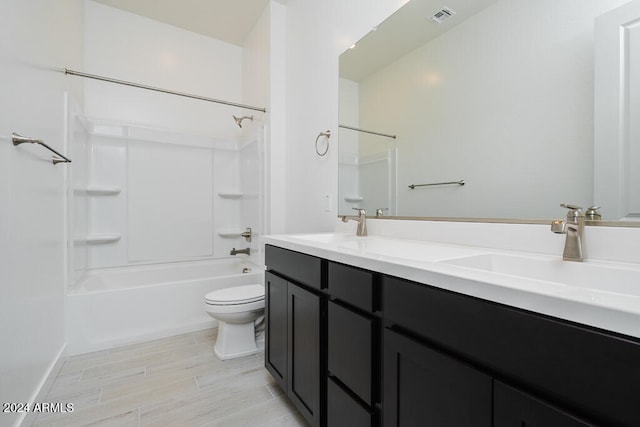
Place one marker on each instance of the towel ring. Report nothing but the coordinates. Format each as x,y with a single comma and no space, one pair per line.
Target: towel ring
326,134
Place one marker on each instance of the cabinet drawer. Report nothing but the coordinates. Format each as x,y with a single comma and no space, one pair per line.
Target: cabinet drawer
301,268
343,411
351,285
350,350
512,407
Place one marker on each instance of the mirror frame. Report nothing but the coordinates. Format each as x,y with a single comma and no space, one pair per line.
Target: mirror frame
589,223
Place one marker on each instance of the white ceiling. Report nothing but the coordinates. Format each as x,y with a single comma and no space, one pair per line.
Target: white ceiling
227,20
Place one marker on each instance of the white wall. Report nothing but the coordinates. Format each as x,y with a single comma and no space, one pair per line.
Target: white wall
152,53
38,38
317,32
255,63
264,82
275,196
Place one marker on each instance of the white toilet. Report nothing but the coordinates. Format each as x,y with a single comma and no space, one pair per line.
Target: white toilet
239,311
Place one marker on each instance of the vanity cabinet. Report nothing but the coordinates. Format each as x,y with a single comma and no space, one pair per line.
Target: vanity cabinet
352,347
545,371
293,347
323,342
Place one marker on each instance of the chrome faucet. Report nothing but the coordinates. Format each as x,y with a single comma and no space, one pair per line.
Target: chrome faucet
246,251
362,221
573,227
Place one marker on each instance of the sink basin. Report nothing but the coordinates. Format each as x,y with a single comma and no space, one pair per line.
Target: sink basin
604,277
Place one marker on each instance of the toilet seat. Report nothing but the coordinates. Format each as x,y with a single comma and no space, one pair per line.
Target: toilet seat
237,295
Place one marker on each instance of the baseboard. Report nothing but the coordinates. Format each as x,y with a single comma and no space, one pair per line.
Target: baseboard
89,347
44,386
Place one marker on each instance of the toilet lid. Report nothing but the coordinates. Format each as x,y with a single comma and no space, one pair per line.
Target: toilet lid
236,295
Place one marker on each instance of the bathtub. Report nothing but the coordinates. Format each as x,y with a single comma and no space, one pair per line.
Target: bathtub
118,306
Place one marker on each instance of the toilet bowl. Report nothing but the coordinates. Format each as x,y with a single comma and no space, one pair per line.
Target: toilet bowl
239,311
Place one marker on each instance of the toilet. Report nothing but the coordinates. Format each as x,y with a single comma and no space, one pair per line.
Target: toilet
239,311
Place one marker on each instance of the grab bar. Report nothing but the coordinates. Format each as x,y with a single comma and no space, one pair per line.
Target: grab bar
461,182
367,131
58,158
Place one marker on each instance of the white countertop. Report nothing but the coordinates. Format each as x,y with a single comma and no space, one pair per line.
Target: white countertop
615,309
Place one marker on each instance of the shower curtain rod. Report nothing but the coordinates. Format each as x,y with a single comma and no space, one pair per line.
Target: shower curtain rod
157,89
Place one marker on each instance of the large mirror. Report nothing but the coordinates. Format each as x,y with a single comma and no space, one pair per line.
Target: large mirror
477,109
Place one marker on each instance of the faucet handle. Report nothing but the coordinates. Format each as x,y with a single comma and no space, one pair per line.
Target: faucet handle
574,213
360,211
569,206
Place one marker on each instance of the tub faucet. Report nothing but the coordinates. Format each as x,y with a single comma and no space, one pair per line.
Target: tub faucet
246,251
362,221
573,227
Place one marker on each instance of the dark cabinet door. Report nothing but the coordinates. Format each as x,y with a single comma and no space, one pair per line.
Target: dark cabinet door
304,352
276,328
425,388
513,408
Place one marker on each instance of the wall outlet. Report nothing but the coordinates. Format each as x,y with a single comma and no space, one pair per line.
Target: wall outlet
328,205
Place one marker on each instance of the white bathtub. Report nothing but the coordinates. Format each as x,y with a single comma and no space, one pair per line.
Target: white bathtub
118,306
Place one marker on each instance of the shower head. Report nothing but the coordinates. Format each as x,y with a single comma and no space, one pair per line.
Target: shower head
240,119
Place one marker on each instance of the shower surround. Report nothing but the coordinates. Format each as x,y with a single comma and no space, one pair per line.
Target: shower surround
163,186
162,211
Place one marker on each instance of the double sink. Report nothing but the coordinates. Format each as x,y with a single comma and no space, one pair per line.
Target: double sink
598,293
551,271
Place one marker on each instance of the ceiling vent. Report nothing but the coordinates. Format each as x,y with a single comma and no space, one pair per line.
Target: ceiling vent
442,15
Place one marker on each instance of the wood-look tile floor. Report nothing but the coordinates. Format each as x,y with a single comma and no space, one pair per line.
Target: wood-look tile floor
175,381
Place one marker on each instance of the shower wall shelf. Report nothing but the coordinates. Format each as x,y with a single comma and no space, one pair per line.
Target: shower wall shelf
99,190
229,234
230,194
353,199
99,239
